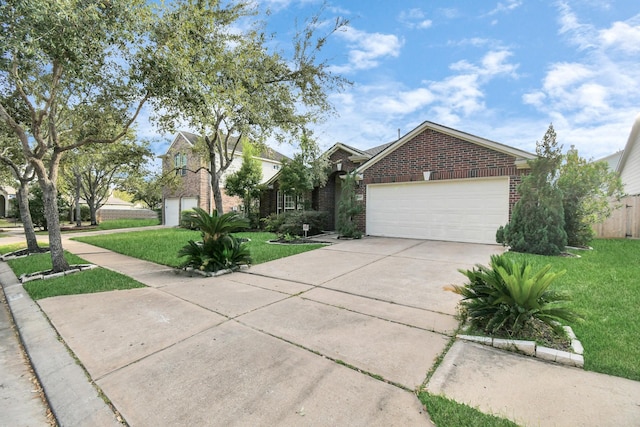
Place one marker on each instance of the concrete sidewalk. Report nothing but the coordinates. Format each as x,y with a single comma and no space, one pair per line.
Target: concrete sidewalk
336,336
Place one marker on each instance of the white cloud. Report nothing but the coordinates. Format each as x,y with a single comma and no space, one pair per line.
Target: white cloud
404,102
593,99
503,7
622,36
449,12
415,19
367,49
579,34
564,74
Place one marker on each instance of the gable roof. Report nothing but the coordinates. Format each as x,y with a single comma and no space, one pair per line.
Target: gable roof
375,150
634,136
267,153
611,160
386,149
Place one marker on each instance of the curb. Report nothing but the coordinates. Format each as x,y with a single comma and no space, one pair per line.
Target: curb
530,348
73,399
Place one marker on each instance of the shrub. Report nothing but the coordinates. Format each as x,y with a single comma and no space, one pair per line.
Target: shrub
537,220
273,222
348,207
506,296
188,219
293,221
218,249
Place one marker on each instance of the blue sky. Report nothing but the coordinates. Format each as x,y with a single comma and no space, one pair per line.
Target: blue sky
502,70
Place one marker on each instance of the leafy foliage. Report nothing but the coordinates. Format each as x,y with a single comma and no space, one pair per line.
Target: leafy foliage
295,179
537,221
507,295
245,182
36,207
587,189
348,207
227,83
293,222
290,223
188,219
218,249
73,65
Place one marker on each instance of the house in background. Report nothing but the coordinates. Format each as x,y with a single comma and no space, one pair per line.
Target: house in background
433,183
194,186
6,195
116,208
625,221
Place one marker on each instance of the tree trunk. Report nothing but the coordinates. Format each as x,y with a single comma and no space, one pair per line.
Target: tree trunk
217,194
51,214
78,210
25,217
92,211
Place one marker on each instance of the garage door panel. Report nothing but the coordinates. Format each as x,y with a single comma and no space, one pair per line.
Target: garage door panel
461,210
172,212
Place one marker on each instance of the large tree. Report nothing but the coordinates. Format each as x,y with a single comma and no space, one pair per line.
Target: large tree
17,168
228,85
22,172
92,171
587,190
71,63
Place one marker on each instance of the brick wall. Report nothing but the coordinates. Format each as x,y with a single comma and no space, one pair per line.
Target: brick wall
446,157
197,180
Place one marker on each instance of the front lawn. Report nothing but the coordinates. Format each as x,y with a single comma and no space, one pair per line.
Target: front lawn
84,282
605,289
162,246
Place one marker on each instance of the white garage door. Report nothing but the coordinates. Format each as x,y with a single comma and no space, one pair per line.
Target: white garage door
189,203
173,207
172,212
466,210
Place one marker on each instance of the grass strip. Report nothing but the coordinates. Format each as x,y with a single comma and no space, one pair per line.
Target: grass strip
84,282
605,290
113,224
445,412
161,246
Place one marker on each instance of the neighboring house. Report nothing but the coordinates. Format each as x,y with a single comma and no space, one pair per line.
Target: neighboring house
612,160
625,221
116,208
433,183
194,186
6,194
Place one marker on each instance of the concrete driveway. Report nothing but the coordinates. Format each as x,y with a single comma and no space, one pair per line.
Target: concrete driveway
336,336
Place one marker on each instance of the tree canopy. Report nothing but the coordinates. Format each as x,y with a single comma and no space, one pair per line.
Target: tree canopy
72,64
229,86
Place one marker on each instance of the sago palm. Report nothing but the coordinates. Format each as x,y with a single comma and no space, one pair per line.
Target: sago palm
508,294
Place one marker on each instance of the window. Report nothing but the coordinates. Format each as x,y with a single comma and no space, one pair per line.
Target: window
286,202
289,202
180,163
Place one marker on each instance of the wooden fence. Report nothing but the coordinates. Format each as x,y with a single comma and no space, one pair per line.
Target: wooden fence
623,222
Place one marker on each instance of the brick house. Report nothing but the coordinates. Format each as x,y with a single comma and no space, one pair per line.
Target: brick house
433,183
194,186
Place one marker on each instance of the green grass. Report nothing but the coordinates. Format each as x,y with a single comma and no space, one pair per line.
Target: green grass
5,249
84,282
127,223
448,413
605,290
162,246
